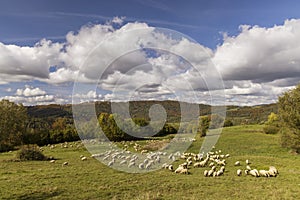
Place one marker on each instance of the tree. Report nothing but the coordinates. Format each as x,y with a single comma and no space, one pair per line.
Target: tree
204,125
289,115
272,126
13,120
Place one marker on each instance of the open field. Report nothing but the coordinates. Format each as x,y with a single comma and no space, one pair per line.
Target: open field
91,179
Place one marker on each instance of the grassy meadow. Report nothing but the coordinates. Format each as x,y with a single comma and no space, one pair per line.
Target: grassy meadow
91,179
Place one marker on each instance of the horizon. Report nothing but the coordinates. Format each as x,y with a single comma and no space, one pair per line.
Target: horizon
213,53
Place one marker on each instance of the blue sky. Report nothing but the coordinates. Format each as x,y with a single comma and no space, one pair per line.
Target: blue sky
25,23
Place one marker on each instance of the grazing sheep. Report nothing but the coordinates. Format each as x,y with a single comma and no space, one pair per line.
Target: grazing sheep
210,172
190,163
273,171
179,169
170,167
131,164
65,164
248,162
264,173
214,174
205,173
141,165
84,158
246,172
52,161
227,155
197,164
254,173
222,168
123,162
213,168
248,167
239,172
237,163
110,163
211,164
220,172
184,171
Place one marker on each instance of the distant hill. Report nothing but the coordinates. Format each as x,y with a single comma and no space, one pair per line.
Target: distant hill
140,109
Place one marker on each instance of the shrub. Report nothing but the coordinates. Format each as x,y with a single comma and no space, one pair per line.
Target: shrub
228,123
30,152
271,129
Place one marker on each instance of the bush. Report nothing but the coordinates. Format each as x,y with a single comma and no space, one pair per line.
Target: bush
228,123
271,129
30,152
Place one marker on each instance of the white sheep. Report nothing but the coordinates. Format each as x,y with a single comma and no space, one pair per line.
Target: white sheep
220,172
141,165
273,171
205,173
210,172
254,173
179,169
110,163
264,173
248,162
237,163
131,164
52,161
65,164
248,167
84,158
239,172
170,167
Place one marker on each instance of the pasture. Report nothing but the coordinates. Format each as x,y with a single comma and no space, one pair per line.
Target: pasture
91,179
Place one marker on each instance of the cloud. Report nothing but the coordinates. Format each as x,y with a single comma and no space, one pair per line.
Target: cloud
28,92
261,54
257,65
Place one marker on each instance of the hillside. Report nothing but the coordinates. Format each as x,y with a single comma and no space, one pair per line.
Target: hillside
140,109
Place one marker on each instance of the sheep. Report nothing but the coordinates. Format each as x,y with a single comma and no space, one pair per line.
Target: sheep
184,171
273,171
170,167
84,158
141,165
246,172
248,167
213,168
264,173
214,174
131,164
210,172
239,172
221,162
220,172
254,173
110,163
65,164
227,155
205,173
237,163
123,162
211,164
197,164
222,169
179,169
248,162
52,161
165,166
190,163
148,165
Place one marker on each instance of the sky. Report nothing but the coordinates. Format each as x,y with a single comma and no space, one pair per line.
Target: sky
216,52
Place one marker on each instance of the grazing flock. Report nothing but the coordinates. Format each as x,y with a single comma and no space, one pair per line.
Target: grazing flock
214,162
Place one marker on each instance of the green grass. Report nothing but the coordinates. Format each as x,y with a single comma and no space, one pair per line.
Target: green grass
93,180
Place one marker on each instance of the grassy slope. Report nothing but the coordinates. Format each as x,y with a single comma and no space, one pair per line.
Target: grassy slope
93,180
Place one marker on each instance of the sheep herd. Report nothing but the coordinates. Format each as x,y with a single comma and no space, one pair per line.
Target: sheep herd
214,162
